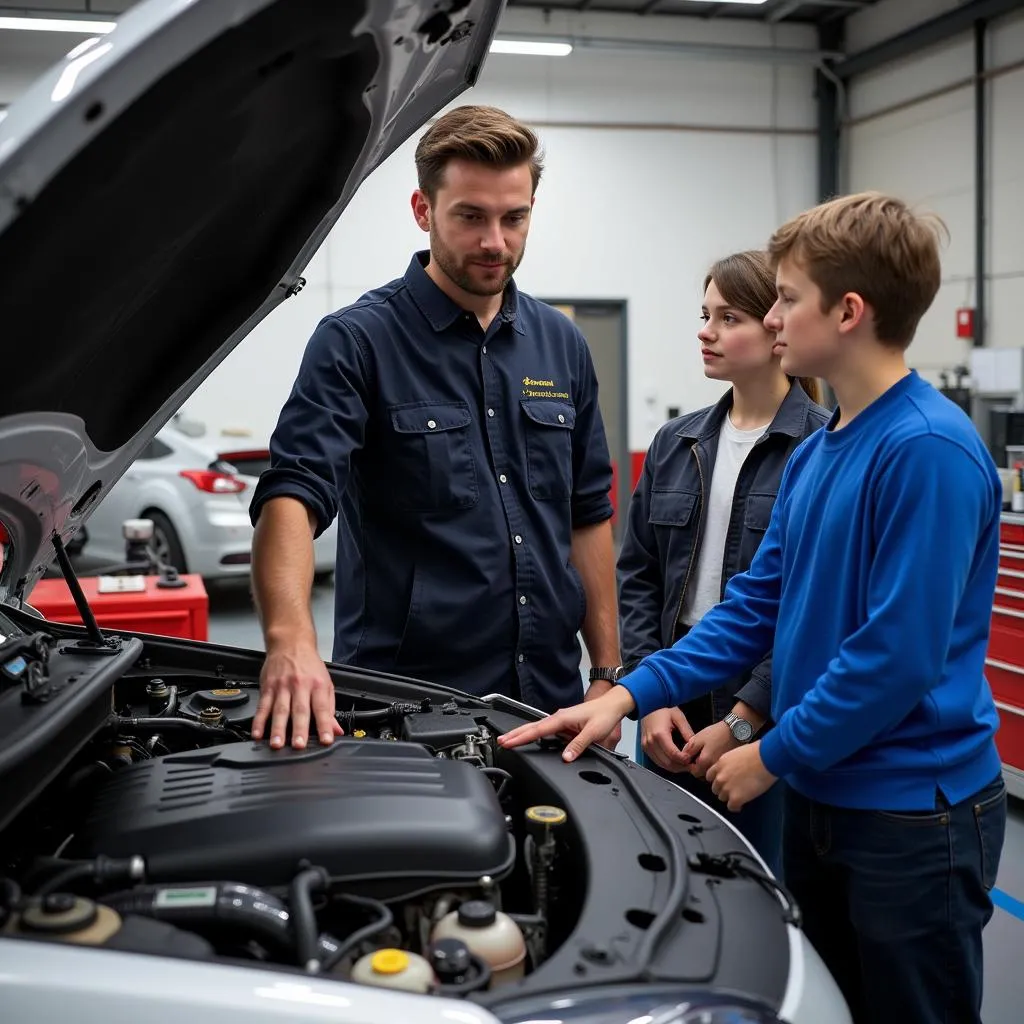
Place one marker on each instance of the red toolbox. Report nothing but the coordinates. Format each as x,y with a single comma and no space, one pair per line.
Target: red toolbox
172,611
1005,661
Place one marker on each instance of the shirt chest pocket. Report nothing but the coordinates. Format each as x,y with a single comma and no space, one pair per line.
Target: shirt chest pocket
431,463
549,427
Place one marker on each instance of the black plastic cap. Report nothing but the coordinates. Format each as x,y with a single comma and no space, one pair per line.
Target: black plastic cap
477,914
450,958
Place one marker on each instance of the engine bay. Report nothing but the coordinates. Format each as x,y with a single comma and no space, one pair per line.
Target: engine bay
412,853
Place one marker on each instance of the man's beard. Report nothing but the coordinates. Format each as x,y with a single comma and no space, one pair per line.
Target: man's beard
461,276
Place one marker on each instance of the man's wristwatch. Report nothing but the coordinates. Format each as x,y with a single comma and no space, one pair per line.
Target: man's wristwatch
742,731
608,675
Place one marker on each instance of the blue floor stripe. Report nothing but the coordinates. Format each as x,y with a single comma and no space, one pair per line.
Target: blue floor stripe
1008,903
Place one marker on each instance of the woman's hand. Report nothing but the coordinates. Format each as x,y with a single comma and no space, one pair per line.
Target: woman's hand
586,723
656,738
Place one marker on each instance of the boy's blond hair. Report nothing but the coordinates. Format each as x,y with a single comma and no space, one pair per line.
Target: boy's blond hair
871,244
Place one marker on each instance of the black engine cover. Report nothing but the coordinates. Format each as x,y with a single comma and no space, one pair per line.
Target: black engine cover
386,814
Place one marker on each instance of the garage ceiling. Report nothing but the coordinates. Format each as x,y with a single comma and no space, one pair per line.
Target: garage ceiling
818,12
771,10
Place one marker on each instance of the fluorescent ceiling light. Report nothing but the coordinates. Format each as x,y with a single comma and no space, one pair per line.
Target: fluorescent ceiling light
57,25
531,48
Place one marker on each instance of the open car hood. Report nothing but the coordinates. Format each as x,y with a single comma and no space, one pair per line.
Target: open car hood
161,190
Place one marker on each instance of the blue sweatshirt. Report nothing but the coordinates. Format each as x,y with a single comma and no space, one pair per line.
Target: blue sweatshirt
875,583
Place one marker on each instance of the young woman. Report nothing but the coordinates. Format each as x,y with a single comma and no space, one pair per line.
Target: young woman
697,516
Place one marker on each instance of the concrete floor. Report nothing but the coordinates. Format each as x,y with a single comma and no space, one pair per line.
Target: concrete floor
232,621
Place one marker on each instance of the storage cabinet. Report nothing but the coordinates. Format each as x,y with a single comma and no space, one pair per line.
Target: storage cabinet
1005,661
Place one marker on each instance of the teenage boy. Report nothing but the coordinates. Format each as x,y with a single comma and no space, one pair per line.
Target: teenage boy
874,583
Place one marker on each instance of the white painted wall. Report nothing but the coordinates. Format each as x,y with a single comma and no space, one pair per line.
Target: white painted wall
634,213
925,154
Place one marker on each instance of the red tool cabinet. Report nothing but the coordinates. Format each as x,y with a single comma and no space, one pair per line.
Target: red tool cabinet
179,612
1005,661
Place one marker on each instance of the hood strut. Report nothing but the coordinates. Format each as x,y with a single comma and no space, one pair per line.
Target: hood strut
97,641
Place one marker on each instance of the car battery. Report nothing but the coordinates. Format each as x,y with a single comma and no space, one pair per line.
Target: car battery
137,604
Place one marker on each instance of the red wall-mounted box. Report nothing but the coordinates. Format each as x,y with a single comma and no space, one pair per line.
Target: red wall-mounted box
180,612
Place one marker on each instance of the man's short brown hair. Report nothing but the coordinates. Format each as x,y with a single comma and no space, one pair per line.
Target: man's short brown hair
871,244
483,135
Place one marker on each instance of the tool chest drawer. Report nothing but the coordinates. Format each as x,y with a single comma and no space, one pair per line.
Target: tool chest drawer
1004,666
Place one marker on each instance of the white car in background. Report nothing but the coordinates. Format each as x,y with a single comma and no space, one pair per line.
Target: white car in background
197,494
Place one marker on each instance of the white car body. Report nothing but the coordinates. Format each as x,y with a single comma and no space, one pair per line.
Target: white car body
198,497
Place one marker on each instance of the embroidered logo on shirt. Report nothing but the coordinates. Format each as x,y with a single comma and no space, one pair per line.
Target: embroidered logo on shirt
541,389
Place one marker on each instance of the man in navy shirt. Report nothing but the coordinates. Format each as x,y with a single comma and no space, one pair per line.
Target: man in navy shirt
452,422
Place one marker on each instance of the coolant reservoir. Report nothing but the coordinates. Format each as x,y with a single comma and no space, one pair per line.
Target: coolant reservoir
394,968
490,934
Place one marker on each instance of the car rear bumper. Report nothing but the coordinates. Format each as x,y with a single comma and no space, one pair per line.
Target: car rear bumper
220,542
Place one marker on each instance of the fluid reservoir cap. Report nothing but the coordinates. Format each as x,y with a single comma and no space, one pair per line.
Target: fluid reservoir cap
389,961
59,914
545,814
477,914
450,958
225,697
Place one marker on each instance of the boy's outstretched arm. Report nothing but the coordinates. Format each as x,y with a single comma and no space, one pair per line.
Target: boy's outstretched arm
733,636
933,502
730,640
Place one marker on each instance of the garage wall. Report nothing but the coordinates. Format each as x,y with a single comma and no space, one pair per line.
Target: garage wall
924,152
656,165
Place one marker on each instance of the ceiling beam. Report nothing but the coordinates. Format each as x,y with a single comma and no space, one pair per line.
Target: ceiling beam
788,7
783,11
930,33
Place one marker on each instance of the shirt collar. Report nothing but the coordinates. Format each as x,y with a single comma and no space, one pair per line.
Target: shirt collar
440,310
790,418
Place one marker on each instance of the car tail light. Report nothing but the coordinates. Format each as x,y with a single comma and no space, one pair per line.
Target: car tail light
213,482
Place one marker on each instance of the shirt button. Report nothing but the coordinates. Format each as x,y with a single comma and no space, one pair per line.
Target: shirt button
431,424
521,659
519,540
522,600
503,478
490,412
485,350
561,418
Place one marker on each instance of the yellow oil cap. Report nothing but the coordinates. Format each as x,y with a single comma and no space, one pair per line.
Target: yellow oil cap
544,814
225,693
389,961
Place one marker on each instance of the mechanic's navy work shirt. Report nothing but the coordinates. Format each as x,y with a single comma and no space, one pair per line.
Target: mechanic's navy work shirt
460,462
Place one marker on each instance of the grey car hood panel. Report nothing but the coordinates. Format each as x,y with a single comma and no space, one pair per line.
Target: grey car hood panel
161,190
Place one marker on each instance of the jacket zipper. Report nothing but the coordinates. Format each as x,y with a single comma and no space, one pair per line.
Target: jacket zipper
696,540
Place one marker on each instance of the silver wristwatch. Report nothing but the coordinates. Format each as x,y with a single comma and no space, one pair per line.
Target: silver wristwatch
742,731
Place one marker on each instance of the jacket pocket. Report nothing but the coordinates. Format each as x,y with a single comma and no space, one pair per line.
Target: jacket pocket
549,427
757,513
431,463
671,508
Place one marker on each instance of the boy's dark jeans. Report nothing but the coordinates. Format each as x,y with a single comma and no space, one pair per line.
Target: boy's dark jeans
895,903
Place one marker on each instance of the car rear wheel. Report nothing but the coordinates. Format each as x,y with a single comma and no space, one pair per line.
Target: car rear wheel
165,540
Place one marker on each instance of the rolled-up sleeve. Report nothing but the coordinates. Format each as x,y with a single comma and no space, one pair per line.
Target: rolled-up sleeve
321,425
591,461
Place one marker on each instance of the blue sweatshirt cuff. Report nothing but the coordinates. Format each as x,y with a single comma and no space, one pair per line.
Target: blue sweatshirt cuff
774,755
647,690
